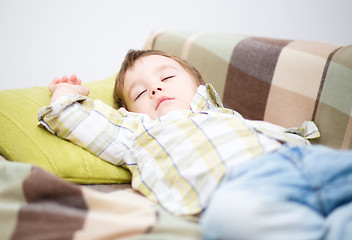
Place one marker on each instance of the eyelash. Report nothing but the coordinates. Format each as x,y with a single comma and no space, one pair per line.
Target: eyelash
140,95
164,79
167,78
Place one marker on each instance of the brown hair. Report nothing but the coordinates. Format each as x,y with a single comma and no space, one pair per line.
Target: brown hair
132,56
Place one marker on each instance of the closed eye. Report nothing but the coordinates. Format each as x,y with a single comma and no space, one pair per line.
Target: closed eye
164,79
140,94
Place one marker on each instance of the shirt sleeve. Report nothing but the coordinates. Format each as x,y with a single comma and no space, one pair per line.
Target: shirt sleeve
292,136
91,124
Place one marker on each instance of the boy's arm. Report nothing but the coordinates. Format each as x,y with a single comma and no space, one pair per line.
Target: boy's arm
90,124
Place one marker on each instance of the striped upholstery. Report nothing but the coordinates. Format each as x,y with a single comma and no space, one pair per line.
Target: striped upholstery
280,81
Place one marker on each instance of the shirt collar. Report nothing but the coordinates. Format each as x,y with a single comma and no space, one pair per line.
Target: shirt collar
206,98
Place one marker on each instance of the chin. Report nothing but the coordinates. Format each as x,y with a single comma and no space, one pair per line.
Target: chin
164,111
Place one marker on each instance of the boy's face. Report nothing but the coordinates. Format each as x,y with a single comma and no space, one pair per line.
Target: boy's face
156,85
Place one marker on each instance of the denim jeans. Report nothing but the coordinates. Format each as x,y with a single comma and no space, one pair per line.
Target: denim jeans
292,193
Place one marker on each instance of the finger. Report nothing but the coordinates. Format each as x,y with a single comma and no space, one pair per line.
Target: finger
78,81
64,79
72,79
55,81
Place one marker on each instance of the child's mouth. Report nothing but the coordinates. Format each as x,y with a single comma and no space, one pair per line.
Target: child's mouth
160,100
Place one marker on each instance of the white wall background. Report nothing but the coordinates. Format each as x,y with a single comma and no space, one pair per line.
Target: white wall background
42,39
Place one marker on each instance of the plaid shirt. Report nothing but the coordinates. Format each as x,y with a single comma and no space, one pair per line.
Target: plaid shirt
176,160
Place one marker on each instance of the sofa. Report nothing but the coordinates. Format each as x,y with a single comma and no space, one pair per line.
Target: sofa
52,189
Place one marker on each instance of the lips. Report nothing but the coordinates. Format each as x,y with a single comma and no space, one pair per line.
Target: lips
160,100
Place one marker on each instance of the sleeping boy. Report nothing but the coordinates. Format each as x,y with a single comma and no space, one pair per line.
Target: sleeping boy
246,179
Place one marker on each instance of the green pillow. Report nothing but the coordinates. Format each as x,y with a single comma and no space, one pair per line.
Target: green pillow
23,141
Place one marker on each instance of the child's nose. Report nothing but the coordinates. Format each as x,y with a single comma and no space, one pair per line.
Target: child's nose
154,91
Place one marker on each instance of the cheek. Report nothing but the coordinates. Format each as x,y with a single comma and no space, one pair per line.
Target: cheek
190,92
131,107
141,106
134,108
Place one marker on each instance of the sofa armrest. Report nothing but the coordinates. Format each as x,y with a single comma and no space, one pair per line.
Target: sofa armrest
284,82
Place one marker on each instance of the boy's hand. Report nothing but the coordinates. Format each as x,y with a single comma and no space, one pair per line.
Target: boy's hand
65,86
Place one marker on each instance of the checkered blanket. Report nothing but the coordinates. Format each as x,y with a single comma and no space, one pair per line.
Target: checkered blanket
34,204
